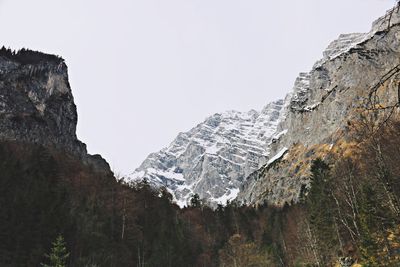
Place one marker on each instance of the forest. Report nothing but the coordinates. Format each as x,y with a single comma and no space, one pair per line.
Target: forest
55,209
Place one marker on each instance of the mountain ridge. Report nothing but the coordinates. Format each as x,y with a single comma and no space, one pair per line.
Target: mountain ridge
238,139
296,124
327,192
337,87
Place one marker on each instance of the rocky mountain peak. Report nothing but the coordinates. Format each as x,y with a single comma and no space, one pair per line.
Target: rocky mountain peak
253,152
213,158
322,102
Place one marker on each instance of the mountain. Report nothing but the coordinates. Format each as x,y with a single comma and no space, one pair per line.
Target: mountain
213,159
230,155
319,172
37,106
51,187
324,103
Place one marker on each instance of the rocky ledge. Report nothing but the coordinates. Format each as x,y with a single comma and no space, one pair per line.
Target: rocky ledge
37,106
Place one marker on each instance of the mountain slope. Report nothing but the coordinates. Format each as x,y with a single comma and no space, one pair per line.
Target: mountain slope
50,186
343,208
325,102
217,159
213,158
37,106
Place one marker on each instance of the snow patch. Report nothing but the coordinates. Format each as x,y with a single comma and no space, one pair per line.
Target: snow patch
312,107
278,156
136,176
228,196
212,150
167,174
280,134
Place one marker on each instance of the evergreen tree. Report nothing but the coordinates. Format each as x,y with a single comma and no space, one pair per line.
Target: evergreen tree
320,211
195,201
58,255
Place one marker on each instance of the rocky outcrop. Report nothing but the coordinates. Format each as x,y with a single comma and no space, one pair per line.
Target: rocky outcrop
265,157
215,157
323,101
37,106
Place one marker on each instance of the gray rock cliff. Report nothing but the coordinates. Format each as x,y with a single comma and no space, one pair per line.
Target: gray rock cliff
215,157
37,106
265,157
322,103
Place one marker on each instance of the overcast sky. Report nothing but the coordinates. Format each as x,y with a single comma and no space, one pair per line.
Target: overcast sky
142,71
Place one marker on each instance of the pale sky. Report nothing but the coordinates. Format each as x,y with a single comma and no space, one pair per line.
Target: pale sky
142,71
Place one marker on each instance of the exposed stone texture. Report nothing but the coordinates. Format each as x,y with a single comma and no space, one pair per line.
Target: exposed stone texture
214,157
323,101
36,103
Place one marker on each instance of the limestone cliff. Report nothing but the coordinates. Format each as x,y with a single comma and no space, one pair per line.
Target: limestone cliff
216,159
37,106
322,104
213,159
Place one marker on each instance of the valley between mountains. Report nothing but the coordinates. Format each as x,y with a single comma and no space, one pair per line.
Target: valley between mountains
309,180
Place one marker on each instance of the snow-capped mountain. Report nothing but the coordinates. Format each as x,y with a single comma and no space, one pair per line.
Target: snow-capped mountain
214,158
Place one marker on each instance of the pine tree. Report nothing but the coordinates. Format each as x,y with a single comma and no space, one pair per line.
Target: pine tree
58,255
195,201
320,211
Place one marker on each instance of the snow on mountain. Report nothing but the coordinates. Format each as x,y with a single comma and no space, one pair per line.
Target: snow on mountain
213,158
321,104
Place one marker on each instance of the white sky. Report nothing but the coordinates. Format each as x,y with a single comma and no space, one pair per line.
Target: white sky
142,71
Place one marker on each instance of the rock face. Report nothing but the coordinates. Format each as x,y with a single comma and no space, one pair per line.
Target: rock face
36,103
323,101
266,158
215,157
